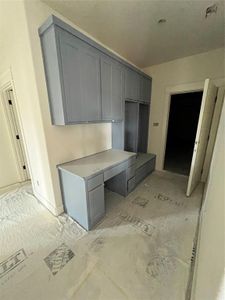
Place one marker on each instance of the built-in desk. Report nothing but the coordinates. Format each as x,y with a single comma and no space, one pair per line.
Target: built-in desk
82,183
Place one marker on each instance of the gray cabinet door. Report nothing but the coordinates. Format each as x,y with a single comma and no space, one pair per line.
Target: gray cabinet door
71,77
90,75
96,205
112,88
145,92
81,79
132,85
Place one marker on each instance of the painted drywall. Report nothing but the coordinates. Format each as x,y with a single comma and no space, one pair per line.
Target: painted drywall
181,73
8,164
209,277
15,58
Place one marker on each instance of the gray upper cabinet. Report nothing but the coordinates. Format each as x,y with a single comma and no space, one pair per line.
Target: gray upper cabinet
90,74
71,78
80,80
112,87
145,89
137,86
86,82
132,84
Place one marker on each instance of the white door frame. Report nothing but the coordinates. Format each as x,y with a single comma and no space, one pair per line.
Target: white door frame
6,83
177,89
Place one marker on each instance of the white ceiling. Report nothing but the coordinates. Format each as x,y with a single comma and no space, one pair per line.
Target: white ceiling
131,27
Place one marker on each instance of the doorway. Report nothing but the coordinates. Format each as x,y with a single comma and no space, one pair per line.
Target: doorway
13,159
182,126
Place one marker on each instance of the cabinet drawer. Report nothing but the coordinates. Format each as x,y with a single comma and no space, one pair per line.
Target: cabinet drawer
131,184
131,161
96,205
94,182
141,173
144,170
131,172
114,171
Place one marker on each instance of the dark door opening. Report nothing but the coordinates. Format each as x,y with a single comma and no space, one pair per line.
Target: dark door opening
183,122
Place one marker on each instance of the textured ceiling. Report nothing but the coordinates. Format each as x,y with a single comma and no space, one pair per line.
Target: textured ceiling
131,27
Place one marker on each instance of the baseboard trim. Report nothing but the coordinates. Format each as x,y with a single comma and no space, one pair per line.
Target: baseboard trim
11,187
55,210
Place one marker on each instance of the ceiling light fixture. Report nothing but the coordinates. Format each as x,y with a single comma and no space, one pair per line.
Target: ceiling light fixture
210,10
161,21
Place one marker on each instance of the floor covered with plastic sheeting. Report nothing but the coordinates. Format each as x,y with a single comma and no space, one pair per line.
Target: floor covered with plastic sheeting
141,250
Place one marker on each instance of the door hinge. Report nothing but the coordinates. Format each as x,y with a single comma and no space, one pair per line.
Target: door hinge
10,102
24,167
17,137
216,99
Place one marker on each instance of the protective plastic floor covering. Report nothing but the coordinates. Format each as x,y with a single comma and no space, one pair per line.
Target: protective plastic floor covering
141,250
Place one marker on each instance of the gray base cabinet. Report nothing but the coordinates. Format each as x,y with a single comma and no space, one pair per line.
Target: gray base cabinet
74,194
82,183
145,165
96,204
131,184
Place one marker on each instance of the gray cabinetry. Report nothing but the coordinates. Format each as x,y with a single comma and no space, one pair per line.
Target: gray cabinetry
136,126
137,86
145,89
85,81
112,88
81,79
96,204
82,183
90,74
145,165
132,84
72,70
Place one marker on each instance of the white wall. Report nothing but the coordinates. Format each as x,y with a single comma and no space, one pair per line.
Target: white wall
209,277
185,73
15,56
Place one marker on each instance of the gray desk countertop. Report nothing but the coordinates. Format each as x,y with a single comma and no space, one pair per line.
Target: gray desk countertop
92,165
